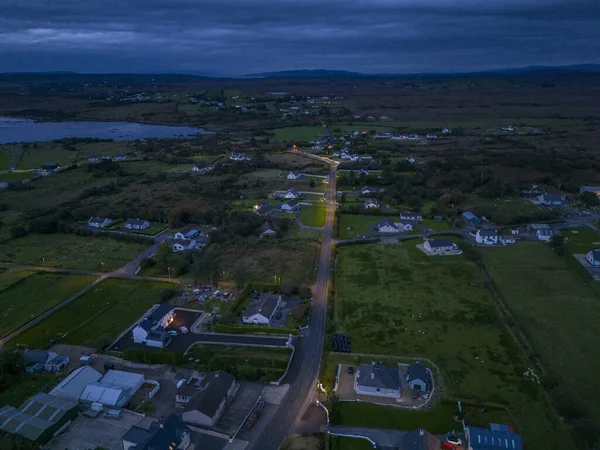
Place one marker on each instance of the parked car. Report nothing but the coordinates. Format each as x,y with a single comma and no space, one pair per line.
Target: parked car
183,330
173,333
350,370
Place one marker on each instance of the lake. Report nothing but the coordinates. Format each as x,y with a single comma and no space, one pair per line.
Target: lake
25,130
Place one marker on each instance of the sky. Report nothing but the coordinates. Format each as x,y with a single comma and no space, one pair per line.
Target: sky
237,37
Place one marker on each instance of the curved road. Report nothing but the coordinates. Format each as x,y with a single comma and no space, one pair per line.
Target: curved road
308,360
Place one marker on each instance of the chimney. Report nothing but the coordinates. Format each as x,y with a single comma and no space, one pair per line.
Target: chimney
372,375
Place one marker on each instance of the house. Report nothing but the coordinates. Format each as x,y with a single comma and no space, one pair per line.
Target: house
187,234
75,383
544,234
371,204
593,257
487,237
202,240
238,157
291,193
418,378
136,224
438,218
363,172
49,166
508,239
266,229
470,218
264,209
410,159
261,310
413,137
487,438
290,205
404,226
93,158
205,407
170,434
99,222
440,246
387,226
294,175
420,439
106,158
39,419
366,190
182,245
509,128
120,157
550,199
432,136
381,381
446,131
114,389
594,189
157,320
196,168
410,216
38,361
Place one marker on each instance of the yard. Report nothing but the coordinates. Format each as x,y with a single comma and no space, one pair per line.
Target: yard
32,295
313,216
97,317
15,176
352,225
245,363
395,300
70,251
559,312
291,134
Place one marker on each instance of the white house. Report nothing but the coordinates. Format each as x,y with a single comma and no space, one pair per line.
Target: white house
238,157
99,222
368,190
294,175
290,205
440,246
404,226
487,237
379,381
182,245
206,400
410,216
550,199
291,193
418,378
593,257
387,226
136,224
371,204
262,309
507,239
446,131
37,361
150,331
544,234
187,234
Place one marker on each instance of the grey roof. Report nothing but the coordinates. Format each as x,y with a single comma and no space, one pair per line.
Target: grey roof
209,442
417,371
97,219
265,227
438,243
137,435
409,215
370,200
265,305
215,386
468,215
296,173
146,324
136,221
202,239
386,221
159,436
264,209
483,438
368,188
378,376
488,233
36,356
552,198
292,191
158,335
75,383
595,254
420,439
593,189
160,312
189,230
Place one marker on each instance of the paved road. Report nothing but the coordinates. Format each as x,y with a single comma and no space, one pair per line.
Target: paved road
305,366
383,438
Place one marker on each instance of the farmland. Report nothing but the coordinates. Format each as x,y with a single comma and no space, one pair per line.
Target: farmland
70,251
291,134
34,294
394,300
539,292
357,224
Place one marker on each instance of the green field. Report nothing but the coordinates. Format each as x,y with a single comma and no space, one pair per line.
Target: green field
436,225
34,294
313,216
559,312
12,276
346,443
245,363
98,316
358,224
70,251
14,176
396,300
298,133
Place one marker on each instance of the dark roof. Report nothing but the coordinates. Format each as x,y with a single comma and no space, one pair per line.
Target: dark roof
160,312
160,436
266,227
264,209
295,173
265,305
137,435
136,221
596,254
417,371
386,221
292,191
437,243
420,439
552,197
483,438
214,390
469,215
50,164
409,214
290,202
487,233
378,376
209,442
368,188
146,324
36,356
158,335
97,219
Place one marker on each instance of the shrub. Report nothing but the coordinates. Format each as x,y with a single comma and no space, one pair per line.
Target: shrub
18,231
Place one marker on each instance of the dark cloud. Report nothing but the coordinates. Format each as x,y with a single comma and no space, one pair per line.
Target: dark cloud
242,36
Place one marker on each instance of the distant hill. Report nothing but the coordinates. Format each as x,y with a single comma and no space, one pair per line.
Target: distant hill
307,73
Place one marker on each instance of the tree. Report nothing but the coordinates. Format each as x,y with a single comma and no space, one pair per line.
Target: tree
589,198
11,366
18,231
312,183
557,244
163,253
239,273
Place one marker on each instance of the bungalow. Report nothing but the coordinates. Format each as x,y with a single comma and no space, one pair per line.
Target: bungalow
593,189
38,361
120,157
446,131
157,320
413,137
487,237
544,234
261,310
381,381
593,257
439,246
470,218
418,378
206,405
550,199
366,190
172,433
187,234
137,224
238,157
387,226
510,239
294,175
432,136
99,222
183,245
196,168
372,204
93,158
290,205
509,128
266,229
495,437
410,216
410,159
291,193
404,226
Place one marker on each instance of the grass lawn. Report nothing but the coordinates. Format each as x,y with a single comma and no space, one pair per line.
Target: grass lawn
298,133
70,251
313,216
28,385
559,312
13,176
152,230
436,225
12,276
507,211
395,300
245,363
34,294
358,224
346,443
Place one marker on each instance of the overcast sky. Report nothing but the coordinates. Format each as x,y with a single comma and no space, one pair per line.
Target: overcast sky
235,37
